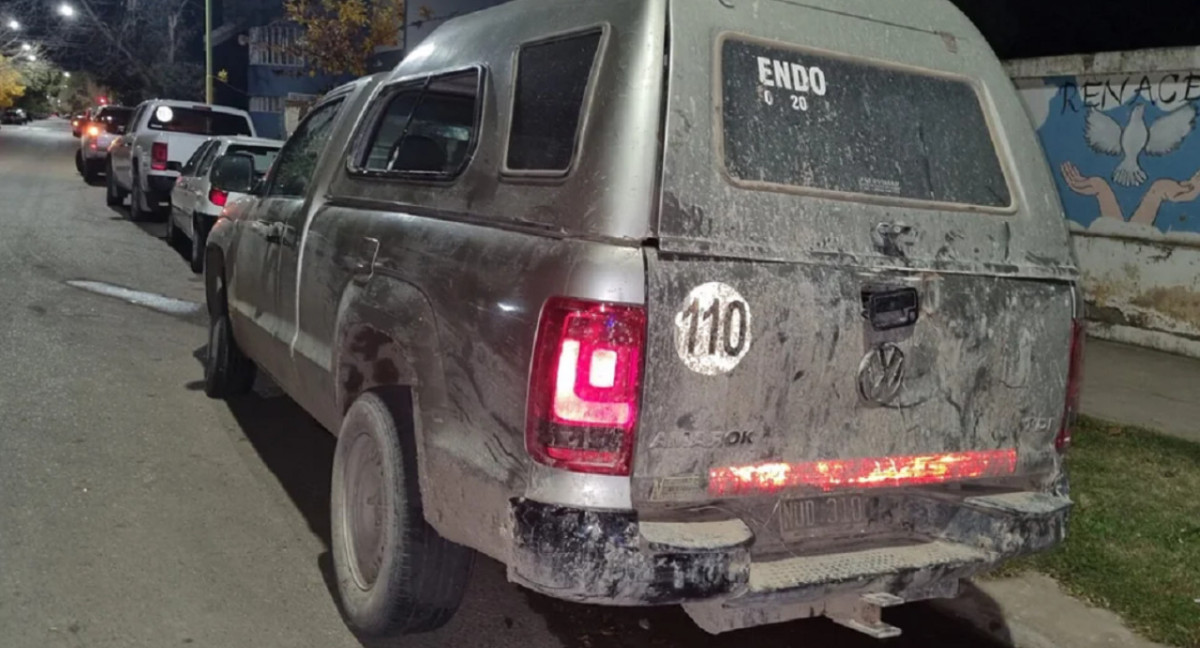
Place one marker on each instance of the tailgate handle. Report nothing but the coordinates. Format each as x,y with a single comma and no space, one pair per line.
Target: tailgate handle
889,309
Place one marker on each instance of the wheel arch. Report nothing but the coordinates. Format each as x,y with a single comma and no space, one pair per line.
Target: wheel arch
386,336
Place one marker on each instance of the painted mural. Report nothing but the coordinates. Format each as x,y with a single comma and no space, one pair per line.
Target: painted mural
1123,149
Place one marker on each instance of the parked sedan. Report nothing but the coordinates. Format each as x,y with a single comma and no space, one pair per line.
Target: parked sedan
14,116
196,204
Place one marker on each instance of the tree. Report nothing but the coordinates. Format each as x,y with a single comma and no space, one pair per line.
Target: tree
140,47
340,35
12,85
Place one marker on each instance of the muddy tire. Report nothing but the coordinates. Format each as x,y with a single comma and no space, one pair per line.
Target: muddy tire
113,195
395,574
227,370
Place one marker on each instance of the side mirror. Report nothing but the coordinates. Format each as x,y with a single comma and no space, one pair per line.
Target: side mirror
233,173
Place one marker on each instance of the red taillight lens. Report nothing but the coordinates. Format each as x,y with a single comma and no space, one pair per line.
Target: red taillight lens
217,197
1074,385
158,156
584,386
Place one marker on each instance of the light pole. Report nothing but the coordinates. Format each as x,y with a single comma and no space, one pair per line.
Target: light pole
208,58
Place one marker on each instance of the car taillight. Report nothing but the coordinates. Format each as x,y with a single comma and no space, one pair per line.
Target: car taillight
218,197
1074,383
93,131
158,156
584,386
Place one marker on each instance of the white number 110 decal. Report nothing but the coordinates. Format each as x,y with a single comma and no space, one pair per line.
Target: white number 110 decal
712,330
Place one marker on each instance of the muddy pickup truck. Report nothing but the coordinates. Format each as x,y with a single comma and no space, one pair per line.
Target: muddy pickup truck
766,309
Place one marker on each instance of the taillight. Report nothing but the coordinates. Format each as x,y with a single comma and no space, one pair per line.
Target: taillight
158,156
93,131
584,386
218,197
1074,383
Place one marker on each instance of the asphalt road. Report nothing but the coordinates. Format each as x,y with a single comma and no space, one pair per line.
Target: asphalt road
134,511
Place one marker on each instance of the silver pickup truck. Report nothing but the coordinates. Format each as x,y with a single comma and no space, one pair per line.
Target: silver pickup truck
765,308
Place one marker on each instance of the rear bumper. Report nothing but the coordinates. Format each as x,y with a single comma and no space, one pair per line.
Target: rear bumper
160,184
611,558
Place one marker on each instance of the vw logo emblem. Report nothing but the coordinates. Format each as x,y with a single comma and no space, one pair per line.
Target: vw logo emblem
881,373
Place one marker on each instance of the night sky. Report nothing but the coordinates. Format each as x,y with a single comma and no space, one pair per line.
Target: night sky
1024,28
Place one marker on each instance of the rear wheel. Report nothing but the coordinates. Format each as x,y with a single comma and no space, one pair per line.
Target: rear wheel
199,238
91,171
395,574
175,237
227,370
137,198
114,195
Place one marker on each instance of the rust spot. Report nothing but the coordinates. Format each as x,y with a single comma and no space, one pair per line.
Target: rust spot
1178,302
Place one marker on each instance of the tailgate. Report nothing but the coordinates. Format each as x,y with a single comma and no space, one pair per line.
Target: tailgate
812,379
862,275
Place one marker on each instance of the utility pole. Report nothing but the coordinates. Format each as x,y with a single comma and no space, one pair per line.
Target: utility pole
208,71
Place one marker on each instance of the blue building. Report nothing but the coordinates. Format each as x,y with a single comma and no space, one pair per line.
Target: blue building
252,47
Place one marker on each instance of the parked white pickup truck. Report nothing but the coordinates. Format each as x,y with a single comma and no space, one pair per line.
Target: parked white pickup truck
161,136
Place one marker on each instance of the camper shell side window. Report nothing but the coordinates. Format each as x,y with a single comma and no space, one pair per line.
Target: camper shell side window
553,82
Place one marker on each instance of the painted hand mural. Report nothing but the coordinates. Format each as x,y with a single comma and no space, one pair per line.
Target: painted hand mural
1163,190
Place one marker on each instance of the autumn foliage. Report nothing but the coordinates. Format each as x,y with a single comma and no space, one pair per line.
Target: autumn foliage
12,84
340,35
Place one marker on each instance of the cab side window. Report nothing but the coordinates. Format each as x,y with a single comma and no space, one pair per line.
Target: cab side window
426,129
207,161
297,161
551,87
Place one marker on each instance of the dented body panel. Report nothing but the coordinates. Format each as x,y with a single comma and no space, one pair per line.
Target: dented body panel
850,385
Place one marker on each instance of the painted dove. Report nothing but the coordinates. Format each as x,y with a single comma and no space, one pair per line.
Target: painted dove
1105,136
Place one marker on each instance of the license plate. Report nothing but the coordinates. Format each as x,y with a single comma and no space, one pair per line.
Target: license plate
804,517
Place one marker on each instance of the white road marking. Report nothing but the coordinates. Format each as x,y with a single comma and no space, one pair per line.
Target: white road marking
154,301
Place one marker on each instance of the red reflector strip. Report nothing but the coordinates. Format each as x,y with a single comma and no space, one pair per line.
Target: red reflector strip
870,472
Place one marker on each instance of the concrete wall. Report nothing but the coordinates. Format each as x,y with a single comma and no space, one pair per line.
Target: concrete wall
1119,130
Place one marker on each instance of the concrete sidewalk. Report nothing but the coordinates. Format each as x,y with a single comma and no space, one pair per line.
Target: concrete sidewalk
1032,611
1141,387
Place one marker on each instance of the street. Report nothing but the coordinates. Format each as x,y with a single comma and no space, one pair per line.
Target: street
135,511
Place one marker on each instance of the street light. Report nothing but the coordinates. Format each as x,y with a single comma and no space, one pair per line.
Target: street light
32,57
67,75
25,47
66,10
13,24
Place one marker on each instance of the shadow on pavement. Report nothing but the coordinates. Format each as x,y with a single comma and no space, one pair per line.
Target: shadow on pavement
581,626
299,452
